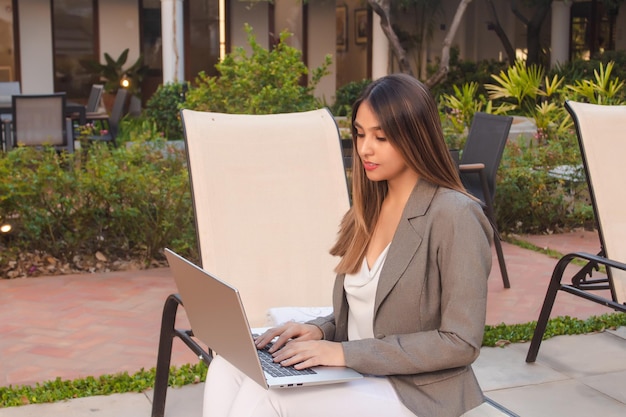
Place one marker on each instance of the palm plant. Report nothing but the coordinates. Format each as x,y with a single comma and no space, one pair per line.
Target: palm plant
519,84
601,90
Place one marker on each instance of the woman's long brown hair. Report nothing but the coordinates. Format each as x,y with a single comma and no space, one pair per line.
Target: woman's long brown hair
408,116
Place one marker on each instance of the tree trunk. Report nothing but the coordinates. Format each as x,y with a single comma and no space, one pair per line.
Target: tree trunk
444,65
497,28
533,28
424,53
383,9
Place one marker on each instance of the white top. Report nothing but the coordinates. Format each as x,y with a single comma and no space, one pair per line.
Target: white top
361,292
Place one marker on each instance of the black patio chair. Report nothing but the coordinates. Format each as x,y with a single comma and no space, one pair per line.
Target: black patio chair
106,125
600,130
479,165
94,101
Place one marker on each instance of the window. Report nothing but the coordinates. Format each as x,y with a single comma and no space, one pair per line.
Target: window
73,34
592,29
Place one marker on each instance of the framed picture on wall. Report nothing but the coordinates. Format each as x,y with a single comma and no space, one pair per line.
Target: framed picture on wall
342,28
360,26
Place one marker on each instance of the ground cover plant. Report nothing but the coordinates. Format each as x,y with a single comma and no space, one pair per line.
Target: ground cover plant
99,203
259,82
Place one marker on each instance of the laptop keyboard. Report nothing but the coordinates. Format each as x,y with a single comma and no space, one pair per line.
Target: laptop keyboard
276,369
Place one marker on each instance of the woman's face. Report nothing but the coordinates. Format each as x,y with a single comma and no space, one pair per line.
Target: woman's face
382,162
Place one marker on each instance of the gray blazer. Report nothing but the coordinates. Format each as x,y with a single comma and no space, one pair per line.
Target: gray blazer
430,307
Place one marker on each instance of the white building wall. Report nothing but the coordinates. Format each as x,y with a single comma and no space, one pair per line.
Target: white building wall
487,44
473,38
119,29
35,30
321,43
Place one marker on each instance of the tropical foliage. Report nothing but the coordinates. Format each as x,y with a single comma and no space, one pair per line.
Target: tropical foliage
260,82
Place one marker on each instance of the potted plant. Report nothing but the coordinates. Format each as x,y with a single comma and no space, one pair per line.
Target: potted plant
113,74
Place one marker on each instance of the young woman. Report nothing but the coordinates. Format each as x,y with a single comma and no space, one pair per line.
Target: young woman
411,289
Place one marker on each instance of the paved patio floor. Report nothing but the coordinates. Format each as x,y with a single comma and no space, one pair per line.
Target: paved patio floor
79,325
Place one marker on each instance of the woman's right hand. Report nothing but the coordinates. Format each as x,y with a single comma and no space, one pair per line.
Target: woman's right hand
286,332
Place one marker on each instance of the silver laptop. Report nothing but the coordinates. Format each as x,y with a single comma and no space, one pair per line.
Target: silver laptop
218,319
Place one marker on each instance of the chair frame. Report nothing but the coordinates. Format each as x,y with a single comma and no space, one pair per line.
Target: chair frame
164,355
110,121
479,169
95,98
582,284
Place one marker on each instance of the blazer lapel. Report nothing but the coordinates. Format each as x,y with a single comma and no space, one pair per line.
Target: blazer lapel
406,240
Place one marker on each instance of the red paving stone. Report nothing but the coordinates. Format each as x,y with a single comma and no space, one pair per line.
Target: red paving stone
92,324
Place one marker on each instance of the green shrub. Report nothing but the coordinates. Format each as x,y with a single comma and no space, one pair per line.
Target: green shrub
531,200
137,129
346,95
126,202
163,109
461,72
578,70
58,390
263,82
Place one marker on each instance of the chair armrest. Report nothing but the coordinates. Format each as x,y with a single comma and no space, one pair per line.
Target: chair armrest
96,116
471,167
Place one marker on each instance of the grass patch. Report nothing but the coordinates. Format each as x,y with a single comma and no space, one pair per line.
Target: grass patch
503,334
547,251
527,245
59,390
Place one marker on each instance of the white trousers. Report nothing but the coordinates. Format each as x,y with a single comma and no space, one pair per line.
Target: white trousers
230,393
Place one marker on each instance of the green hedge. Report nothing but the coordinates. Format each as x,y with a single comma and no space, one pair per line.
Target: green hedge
127,202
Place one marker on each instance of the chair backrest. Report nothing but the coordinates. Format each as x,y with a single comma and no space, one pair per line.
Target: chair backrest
134,106
269,192
8,89
118,110
40,120
95,98
485,144
602,144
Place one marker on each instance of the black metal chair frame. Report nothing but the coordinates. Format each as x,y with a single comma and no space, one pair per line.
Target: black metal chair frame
110,122
474,168
95,98
582,284
164,355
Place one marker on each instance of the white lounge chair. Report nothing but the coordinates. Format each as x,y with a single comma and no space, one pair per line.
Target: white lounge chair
600,131
269,192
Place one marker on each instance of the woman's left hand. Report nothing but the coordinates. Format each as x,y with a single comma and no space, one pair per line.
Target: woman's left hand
305,354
